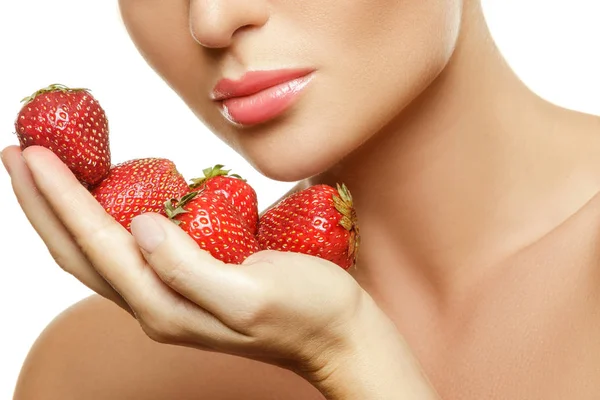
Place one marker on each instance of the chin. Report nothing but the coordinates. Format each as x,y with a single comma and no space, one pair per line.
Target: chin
285,170
290,165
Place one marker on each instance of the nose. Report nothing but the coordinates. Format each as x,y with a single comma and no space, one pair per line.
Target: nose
215,23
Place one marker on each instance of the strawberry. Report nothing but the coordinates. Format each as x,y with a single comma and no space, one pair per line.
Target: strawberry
234,188
138,186
318,221
215,224
72,124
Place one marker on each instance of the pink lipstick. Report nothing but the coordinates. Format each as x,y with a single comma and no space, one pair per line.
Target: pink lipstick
260,96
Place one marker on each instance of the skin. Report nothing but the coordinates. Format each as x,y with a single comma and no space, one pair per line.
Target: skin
478,205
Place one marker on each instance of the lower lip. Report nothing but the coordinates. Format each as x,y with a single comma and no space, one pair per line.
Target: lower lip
265,105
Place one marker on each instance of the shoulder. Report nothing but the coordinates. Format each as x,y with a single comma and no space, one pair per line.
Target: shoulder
94,350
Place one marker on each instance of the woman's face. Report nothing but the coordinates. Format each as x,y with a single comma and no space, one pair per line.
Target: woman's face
348,68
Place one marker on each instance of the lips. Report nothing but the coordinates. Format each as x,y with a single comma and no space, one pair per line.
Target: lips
260,96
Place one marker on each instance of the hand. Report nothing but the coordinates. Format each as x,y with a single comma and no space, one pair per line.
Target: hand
286,309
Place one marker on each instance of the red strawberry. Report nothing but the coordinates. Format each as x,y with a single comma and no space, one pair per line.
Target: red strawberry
234,188
71,123
318,221
213,222
138,186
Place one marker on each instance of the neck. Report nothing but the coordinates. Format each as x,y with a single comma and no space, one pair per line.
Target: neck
473,170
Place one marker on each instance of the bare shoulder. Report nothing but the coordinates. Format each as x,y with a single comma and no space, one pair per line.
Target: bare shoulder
94,350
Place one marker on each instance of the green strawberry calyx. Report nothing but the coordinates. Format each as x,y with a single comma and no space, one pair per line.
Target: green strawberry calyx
51,88
174,207
345,206
213,172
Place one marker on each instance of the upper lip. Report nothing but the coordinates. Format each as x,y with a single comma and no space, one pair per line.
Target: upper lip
255,81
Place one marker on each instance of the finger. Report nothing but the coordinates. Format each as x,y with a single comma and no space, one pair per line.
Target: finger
183,265
182,322
54,234
107,245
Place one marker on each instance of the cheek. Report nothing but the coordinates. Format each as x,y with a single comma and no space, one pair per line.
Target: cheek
160,33
379,59
398,44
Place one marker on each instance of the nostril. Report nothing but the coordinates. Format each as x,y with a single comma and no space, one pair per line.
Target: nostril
244,29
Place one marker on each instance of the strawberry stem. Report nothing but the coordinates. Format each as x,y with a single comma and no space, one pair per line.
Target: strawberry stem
344,204
51,88
215,171
174,207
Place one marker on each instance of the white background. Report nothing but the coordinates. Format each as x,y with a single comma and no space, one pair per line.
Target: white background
553,45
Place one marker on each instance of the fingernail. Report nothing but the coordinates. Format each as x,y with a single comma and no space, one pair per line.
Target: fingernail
147,232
